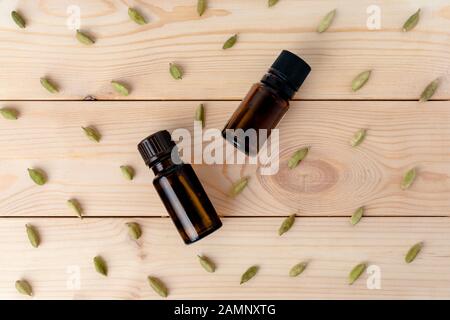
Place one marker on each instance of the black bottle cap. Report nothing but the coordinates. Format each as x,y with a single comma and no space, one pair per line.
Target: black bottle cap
292,68
156,146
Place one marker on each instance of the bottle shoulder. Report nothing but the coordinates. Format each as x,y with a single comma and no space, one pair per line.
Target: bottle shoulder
173,170
278,86
265,91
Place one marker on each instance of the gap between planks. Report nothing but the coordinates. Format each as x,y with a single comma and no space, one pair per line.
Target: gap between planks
222,217
215,100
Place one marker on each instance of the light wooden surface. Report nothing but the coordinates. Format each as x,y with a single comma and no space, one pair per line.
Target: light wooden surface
403,63
323,191
334,179
331,246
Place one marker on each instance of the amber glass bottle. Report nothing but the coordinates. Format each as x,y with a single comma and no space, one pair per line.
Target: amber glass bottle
179,188
266,102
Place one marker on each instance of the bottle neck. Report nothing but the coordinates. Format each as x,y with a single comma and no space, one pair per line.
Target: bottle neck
164,164
279,83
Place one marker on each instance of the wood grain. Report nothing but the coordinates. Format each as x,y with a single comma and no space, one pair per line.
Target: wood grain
331,246
333,180
403,63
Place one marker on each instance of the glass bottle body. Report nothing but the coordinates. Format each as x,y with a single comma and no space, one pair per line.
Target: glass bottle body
185,200
262,108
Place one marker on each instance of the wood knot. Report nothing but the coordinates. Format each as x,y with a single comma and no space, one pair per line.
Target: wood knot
311,176
326,179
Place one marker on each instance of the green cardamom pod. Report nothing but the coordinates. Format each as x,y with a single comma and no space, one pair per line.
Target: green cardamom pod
158,286
358,137
9,113
408,179
84,38
200,114
90,98
136,16
298,269
38,176
100,265
33,235
357,215
74,205
134,230
297,157
326,21
18,19
429,91
92,133
356,272
286,225
23,287
250,273
120,88
360,80
201,7
412,21
207,264
175,71
413,252
230,42
49,86
239,186
127,172
271,3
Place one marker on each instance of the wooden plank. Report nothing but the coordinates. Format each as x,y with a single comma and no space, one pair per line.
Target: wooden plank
403,63
331,245
332,181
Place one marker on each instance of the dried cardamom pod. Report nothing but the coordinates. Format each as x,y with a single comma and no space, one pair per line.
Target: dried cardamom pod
100,265
134,230
298,269
23,287
297,157
84,38
413,252
408,179
239,186
326,21
9,114
33,235
430,90
175,71
127,172
92,133
38,176
358,137
200,114
90,98
120,88
75,206
286,225
357,215
356,272
250,273
201,7
230,42
412,21
18,19
136,16
158,286
50,86
271,3
360,80
207,264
